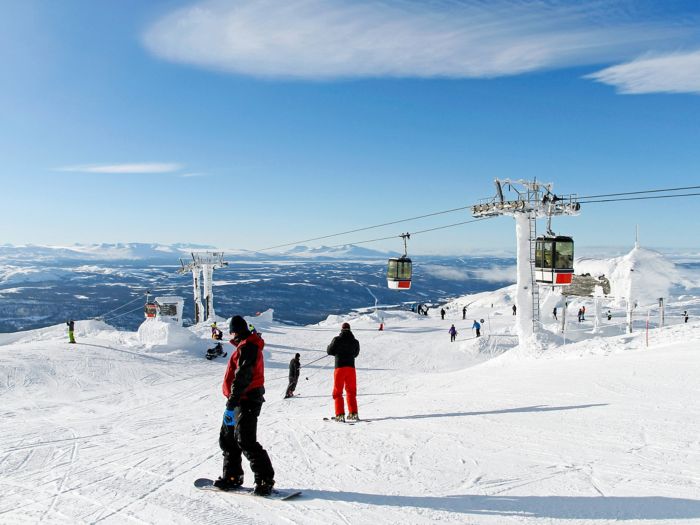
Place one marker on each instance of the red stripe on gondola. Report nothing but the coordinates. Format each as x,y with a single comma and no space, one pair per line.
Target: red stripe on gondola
404,284
564,278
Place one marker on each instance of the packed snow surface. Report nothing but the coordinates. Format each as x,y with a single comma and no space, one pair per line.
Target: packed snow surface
601,430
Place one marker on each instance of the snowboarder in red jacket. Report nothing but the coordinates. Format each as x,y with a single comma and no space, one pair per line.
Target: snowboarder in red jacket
243,387
345,348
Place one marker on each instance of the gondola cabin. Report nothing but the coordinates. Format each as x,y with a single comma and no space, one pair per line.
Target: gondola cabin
150,310
398,275
554,260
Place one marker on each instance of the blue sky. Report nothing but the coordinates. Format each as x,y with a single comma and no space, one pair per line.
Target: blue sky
246,124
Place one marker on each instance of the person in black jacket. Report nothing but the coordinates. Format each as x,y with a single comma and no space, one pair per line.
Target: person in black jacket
294,367
345,348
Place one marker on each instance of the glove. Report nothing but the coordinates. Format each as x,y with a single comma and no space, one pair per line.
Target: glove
231,403
229,418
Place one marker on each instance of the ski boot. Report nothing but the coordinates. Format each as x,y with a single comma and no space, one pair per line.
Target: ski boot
229,482
352,416
340,418
264,487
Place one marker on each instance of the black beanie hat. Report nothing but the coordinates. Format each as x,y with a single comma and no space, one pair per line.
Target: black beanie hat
238,325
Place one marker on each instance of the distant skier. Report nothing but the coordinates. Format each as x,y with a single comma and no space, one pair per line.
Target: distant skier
554,313
609,315
244,386
515,309
442,313
685,316
453,333
294,370
580,315
71,331
345,348
477,326
464,313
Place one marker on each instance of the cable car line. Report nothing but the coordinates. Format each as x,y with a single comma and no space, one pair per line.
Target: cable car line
638,192
641,198
412,233
367,228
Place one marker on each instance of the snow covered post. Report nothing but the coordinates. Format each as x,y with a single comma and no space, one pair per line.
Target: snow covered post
661,312
630,307
597,295
523,295
197,295
208,272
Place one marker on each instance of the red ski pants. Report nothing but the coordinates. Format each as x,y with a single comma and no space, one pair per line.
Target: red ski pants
345,378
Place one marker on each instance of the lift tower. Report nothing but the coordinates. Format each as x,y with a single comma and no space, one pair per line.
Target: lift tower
203,264
526,201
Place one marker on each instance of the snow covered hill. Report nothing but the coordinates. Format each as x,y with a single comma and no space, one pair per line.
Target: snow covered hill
477,431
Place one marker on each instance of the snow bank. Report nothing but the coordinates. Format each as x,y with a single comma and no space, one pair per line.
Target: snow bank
155,334
643,275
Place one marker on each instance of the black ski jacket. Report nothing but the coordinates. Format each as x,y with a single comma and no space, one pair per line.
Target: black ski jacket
294,366
345,348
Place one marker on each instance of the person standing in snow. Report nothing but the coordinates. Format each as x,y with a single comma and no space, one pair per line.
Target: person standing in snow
685,316
477,326
554,313
453,333
243,387
583,313
442,313
515,309
294,370
71,331
580,315
609,315
345,348
464,313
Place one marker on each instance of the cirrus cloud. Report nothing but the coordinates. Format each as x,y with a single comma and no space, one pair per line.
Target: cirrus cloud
143,167
325,39
670,73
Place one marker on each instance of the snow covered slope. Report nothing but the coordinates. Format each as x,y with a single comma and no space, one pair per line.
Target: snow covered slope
599,431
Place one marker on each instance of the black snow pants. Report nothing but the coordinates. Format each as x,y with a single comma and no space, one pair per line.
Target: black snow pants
242,439
292,386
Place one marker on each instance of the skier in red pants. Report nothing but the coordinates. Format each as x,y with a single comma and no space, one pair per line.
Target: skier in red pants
345,348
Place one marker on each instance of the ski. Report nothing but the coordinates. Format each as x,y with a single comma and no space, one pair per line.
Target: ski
284,495
352,422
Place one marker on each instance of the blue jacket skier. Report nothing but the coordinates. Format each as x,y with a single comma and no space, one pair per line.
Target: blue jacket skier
477,326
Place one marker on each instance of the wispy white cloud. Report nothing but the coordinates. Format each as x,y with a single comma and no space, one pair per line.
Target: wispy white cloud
144,167
323,39
671,73
190,175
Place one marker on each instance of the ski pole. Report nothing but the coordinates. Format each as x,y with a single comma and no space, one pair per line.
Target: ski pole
314,361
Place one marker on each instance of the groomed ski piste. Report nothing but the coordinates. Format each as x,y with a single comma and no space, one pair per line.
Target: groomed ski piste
602,429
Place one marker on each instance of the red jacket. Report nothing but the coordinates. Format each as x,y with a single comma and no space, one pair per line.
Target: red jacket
246,369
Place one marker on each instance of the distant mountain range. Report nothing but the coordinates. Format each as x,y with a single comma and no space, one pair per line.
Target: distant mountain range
173,252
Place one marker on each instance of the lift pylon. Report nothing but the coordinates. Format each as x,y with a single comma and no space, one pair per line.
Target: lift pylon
204,264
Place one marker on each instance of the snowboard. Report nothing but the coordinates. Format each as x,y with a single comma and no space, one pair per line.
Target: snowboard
214,356
208,484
